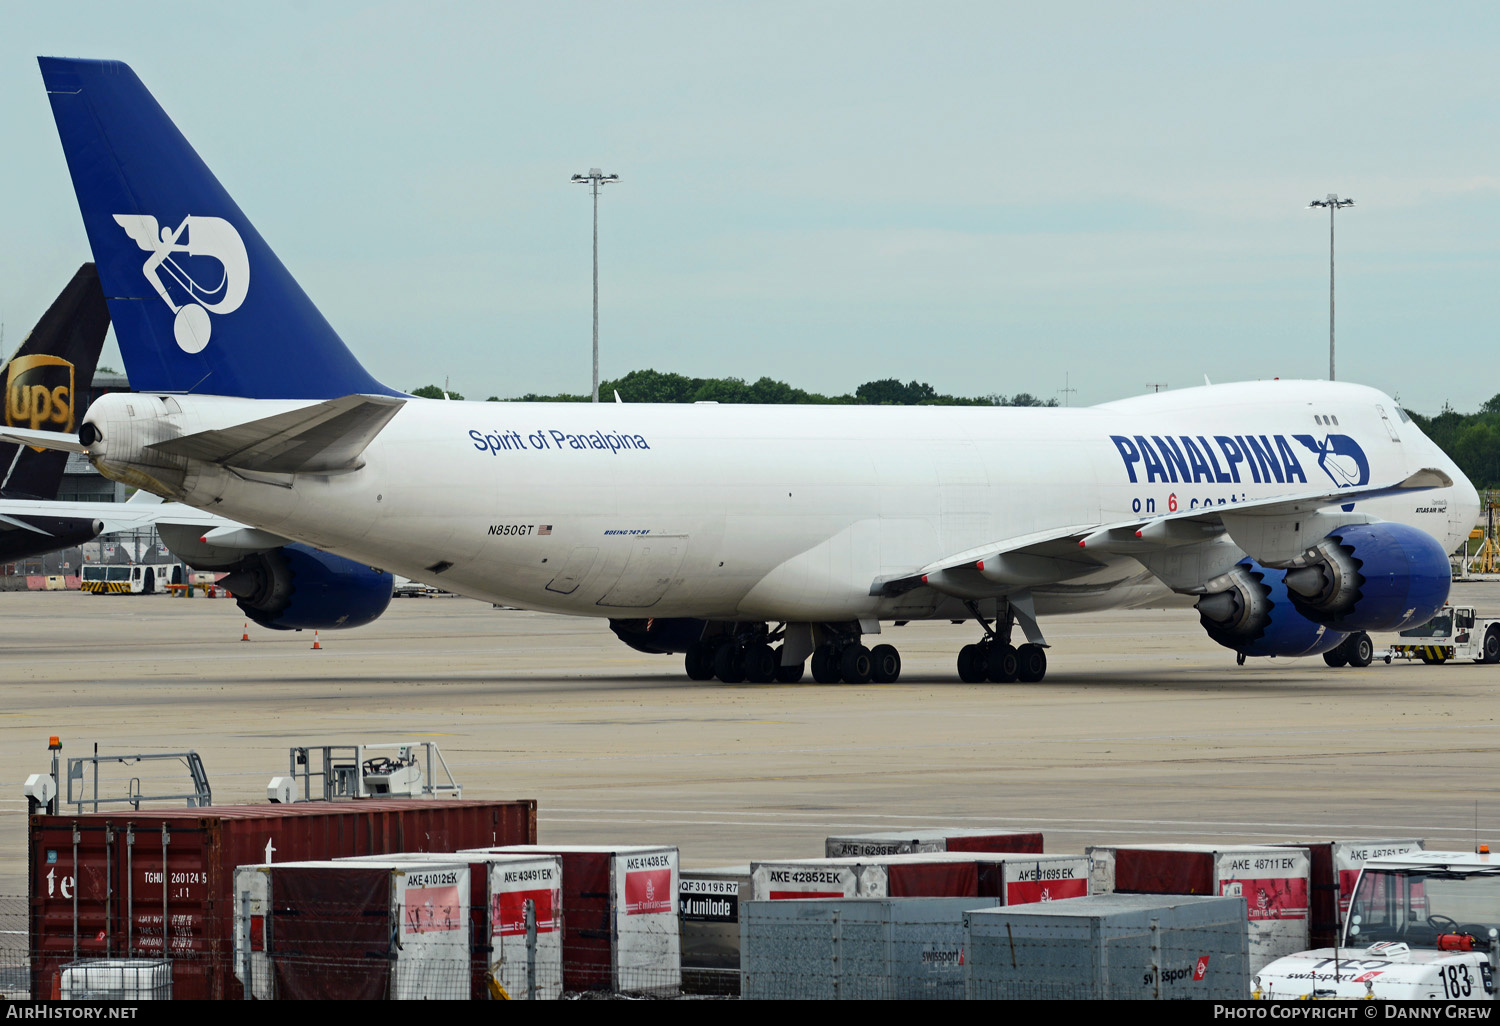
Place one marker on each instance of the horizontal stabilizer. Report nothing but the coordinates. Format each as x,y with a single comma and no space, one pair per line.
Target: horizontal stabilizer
323,438
42,439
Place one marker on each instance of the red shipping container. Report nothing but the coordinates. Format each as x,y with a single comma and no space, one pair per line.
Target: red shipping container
103,884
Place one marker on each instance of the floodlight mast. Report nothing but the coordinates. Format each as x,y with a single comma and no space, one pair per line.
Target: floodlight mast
596,178
1333,203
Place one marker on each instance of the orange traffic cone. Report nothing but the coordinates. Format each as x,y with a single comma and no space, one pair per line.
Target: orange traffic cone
246,635
316,646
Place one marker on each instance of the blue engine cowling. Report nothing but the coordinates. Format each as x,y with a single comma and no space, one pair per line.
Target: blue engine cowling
1255,616
1373,577
298,587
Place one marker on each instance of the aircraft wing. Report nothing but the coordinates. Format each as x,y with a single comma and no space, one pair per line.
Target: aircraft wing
117,516
1047,557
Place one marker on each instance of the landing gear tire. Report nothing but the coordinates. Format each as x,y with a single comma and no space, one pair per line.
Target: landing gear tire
825,664
972,668
788,674
699,661
1360,650
1002,664
1031,663
760,663
855,664
1335,656
729,664
885,664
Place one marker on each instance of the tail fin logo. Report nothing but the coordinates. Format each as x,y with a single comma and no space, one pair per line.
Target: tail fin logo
39,393
177,263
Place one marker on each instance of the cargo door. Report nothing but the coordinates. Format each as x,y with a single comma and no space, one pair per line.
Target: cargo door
580,562
653,563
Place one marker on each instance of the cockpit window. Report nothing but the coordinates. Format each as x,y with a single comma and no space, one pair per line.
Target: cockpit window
1402,414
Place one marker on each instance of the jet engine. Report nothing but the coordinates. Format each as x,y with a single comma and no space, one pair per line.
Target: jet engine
1372,577
1254,615
296,586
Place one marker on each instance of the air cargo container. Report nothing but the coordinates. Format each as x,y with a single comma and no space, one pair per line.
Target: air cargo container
1108,947
357,930
708,908
619,912
1335,866
502,884
898,841
1274,882
855,949
102,884
1011,877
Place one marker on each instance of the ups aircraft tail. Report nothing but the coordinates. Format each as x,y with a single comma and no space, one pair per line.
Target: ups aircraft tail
44,382
200,302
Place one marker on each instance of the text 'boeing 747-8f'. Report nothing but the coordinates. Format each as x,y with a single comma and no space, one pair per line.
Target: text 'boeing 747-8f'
1297,515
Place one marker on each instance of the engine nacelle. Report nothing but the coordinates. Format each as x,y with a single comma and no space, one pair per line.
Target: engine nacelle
298,587
659,635
1254,615
1372,577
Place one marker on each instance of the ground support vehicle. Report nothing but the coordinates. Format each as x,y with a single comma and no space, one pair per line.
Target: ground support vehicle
1456,632
1422,926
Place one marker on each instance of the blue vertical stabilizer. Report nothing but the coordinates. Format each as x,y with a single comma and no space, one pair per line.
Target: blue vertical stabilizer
200,303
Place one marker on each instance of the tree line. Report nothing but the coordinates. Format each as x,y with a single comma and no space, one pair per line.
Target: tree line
652,386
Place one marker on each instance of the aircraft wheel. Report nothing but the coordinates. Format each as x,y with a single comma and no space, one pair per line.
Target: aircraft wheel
1360,650
971,664
825,664
1001,666
729,663
788,674
1031,663
760,663
885,664
854,664
1335,656
699,661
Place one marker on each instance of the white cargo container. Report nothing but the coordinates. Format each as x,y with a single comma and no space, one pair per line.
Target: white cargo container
619,911
1275,883
318,921
502,886
709,909
1014,878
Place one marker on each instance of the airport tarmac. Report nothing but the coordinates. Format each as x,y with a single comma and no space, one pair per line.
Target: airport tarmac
1143,731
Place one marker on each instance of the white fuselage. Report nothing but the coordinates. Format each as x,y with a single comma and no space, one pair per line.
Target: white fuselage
783,512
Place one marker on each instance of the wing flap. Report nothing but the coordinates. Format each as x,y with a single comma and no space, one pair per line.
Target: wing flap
1047,557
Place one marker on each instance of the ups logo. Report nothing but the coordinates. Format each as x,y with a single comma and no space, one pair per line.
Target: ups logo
39,393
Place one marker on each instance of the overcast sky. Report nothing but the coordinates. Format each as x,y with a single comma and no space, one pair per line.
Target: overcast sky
990,197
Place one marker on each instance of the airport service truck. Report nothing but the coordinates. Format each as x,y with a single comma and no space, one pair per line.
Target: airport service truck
1456,632
1422,926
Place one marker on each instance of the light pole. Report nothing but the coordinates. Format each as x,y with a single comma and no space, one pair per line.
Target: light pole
1333,203
596,178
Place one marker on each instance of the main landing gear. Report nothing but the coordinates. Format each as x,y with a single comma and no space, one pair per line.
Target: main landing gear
1355,650
747,654
994,658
